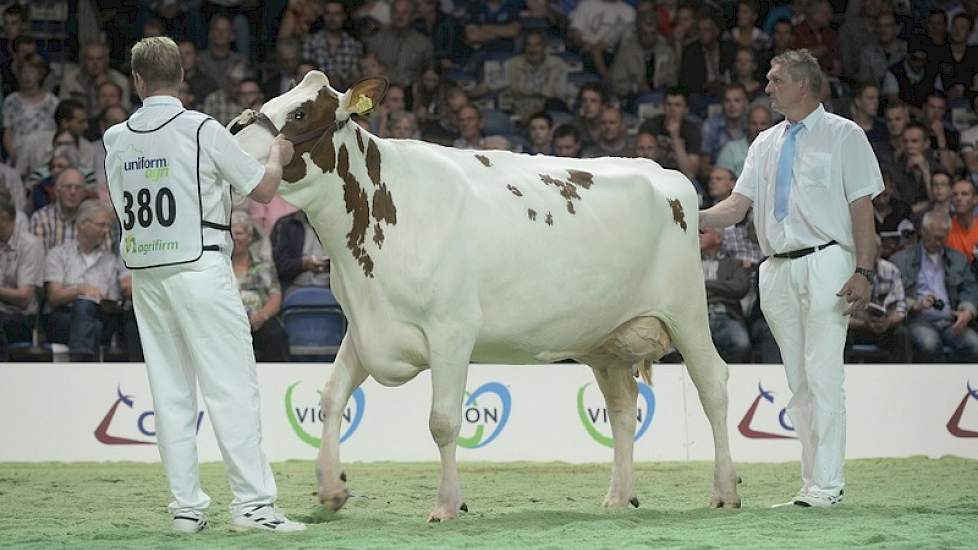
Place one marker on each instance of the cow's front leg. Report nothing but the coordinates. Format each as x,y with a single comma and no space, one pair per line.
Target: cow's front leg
347,375
447,392
620,396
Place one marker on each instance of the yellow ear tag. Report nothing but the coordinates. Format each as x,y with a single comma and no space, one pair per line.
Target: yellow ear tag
364,104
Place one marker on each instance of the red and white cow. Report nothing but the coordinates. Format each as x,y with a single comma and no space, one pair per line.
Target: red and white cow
444,256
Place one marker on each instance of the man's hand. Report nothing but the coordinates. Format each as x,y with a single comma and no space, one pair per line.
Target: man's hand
856,292
256,319
962,318
91,292
673,127
285,150
924,303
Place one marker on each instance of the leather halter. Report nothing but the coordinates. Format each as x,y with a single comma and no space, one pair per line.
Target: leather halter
257,117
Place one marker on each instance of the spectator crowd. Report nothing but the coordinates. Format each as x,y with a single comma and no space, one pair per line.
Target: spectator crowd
680,82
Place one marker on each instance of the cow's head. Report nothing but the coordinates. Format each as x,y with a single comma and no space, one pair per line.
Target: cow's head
308,115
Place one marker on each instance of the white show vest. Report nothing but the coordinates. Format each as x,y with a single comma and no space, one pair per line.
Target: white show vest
154,184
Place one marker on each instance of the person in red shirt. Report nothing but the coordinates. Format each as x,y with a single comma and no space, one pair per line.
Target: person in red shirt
815,35
964,227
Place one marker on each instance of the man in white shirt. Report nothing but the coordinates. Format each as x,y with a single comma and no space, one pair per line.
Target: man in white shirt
170,173
811,180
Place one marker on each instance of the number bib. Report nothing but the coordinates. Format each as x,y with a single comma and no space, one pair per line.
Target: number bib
154,184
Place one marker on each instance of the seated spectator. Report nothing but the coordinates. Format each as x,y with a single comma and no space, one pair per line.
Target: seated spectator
444,31
679,135
956,61
734,153
912,168
745,33
490,27
816,35
218,60
394,100
704,62
299,256
613,139
28,110
744,72
11,182
540,132
496,143
940,195
886,51
443,128
882,323
21,273
25,51
428,93
222,104
567,141
596,27
299,18
260,291
250,95
404,51
536,77
969,157
14,24
332,49
727,282
55,223
944,138
283,74
963,236
82,84
647,147
80,274
402,125
370,65
865,105
645,61
888,207
911,80
69,118
199,83
896,114
942,294
724,127
592,98
109,118
109,95
42,188
470,129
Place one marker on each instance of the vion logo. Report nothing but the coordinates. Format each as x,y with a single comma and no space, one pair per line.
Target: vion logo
484,415
154,169
954,423
143,427
305,414
748,427
594,415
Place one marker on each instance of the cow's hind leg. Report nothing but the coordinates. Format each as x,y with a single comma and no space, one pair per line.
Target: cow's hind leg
346,376
709,373
620,394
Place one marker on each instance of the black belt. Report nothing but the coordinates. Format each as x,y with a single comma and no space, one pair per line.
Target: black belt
211,248
804,251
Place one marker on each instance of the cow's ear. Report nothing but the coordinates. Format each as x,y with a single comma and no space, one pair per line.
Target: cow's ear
366,94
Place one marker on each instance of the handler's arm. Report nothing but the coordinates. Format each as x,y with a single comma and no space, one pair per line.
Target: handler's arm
279,155
725,213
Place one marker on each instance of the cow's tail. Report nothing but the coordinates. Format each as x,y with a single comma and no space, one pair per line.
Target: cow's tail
645,371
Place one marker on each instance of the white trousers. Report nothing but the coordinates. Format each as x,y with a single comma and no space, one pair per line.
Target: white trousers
808,320
194,329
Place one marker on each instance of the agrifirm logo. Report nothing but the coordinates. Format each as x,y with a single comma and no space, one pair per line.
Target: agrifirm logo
305,414
153,169
141,426
954,423
484,415
133,247
753,427
594,415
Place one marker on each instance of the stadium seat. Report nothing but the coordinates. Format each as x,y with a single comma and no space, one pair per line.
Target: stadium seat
579,78
495,122
561,117
314,323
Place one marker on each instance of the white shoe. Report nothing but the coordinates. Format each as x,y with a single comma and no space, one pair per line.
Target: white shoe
189,522
802,493
816,499
265,517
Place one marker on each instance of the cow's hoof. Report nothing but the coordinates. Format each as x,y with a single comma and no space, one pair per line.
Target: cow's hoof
720,502
614,501
442,514
334,500
634,502
464,507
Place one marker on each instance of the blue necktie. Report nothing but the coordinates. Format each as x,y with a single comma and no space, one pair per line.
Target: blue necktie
782,185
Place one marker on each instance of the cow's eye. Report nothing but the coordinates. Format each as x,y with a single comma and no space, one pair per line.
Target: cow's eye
298,115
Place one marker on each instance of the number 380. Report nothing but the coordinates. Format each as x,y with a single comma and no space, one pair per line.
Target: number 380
164,209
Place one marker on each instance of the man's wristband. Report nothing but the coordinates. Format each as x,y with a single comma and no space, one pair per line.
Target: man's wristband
868,273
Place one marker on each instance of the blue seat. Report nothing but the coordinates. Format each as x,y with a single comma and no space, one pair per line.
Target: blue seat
579,78
496,123
314,322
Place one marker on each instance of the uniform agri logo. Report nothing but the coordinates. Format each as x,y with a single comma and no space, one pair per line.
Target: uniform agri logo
485,410
305,414
954,423
133,247
143,425
748,427
594,415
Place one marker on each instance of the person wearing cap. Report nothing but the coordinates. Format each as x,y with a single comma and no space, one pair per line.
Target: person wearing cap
942,295
811,180
170,173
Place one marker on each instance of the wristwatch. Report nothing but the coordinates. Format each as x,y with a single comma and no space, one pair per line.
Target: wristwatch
868,273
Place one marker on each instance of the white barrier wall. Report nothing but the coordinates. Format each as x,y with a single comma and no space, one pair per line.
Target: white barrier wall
553,412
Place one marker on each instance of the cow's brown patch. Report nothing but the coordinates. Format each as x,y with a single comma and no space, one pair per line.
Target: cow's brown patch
378,236
318,113
678,215
514,190
570,207
532,214
484,160
359,138
579,177
356,203
384,209
373,162
549,220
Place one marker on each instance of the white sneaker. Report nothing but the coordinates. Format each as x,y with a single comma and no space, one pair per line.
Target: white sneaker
802,493
265,517
816,499
188,522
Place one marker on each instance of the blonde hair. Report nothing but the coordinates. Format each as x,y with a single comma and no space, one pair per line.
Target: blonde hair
802,65
156,60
